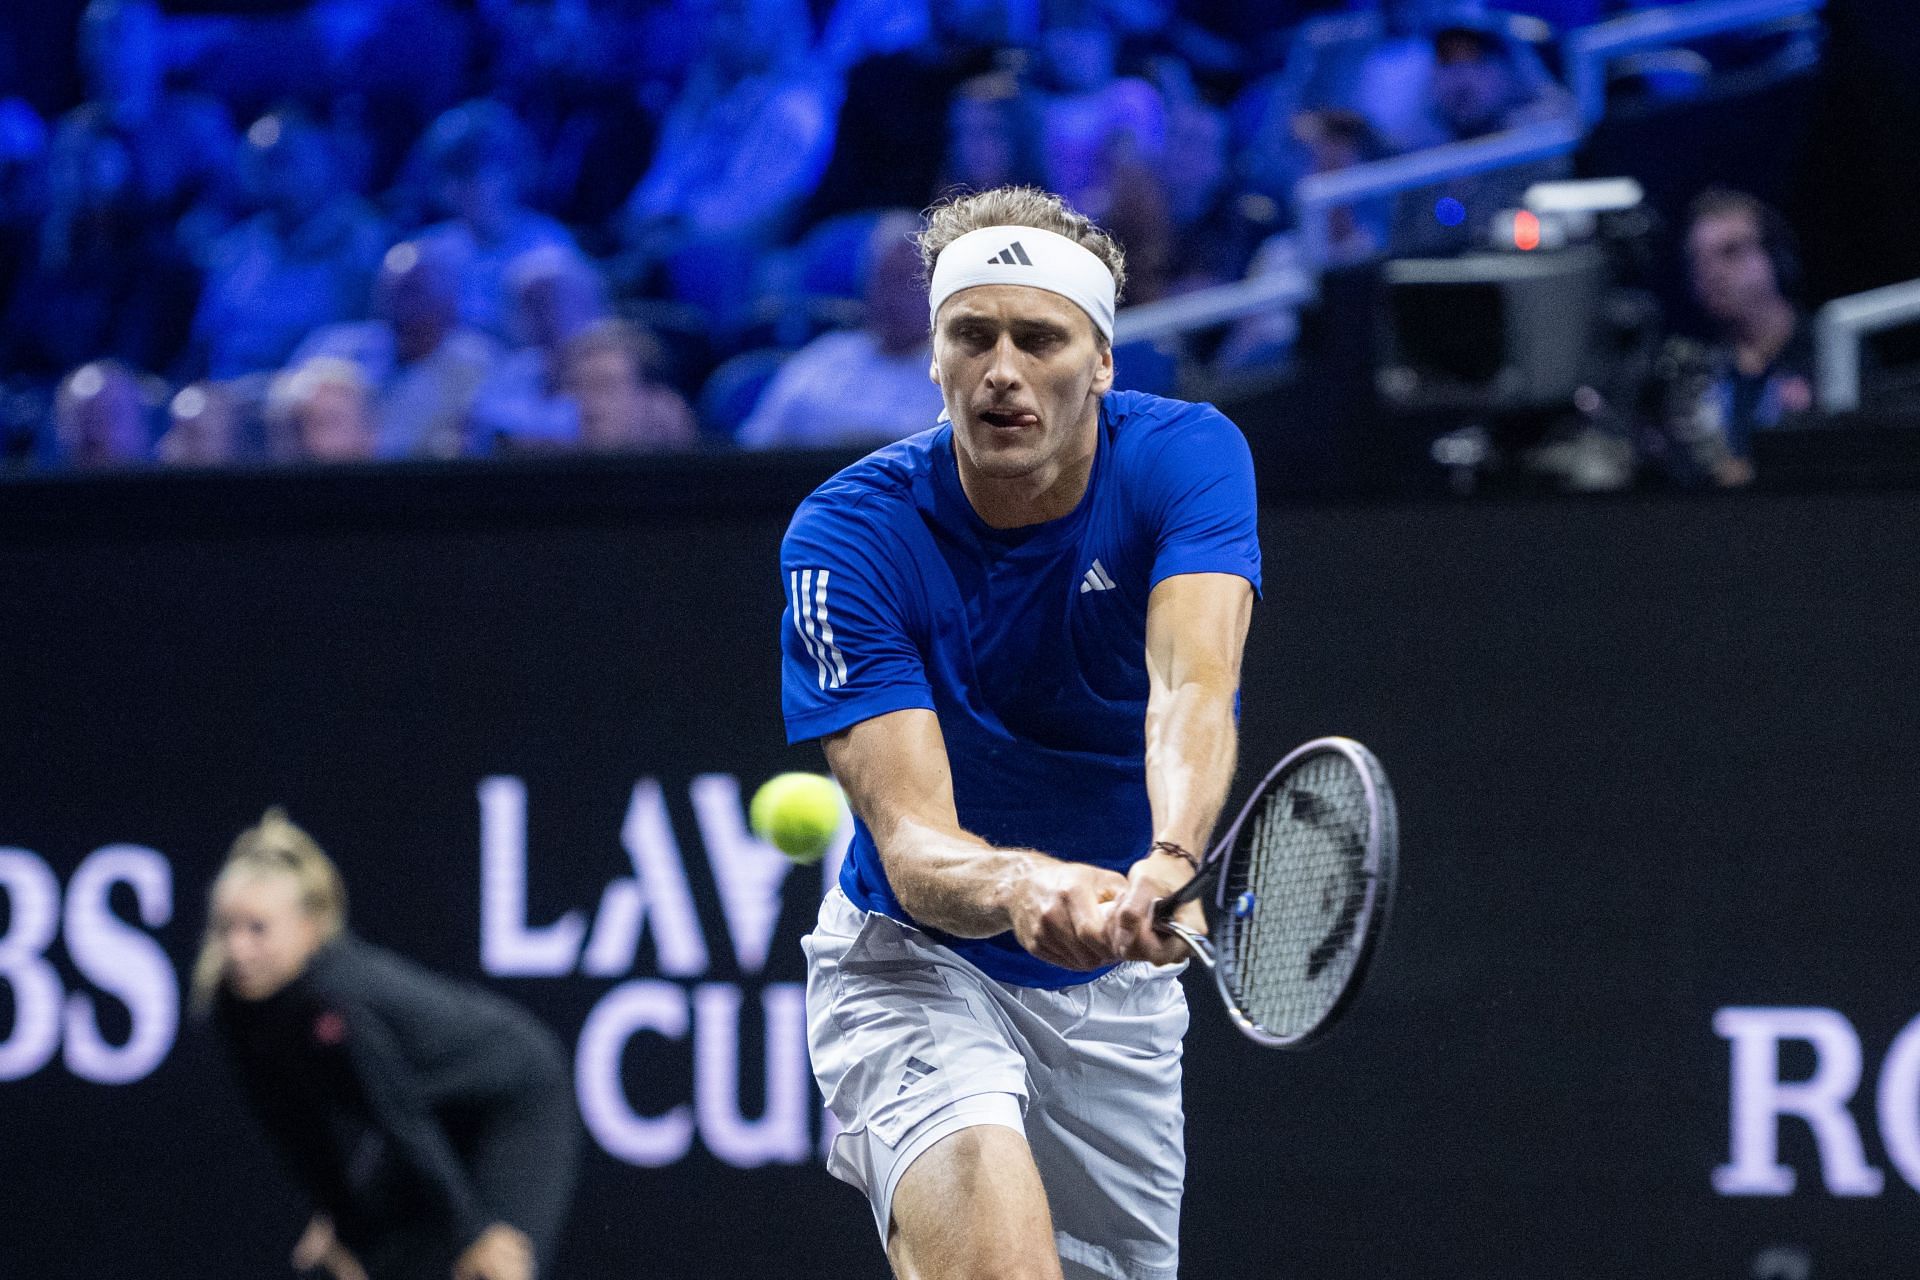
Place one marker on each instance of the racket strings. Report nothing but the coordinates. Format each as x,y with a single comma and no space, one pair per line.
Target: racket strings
1293,893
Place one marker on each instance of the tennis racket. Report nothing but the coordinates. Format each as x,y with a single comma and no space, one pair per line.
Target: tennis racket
1300,888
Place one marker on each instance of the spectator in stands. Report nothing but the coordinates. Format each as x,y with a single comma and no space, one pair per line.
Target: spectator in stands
1217,220
906,64
393,65
203,428
1742,263
1380,62
568,71
556,295
610,374
424,367
1089,121
1380,69
183,142
105,280
860,386
23,153
303,261
479,160
1265,339
100,418
319,412
1326,141
983,147
1141,218
669,43
993,24
1194,170
743,146
1476,90
1337,140
856,30
1477,86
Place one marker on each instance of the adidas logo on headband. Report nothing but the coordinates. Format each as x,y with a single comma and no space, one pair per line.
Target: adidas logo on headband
1031,257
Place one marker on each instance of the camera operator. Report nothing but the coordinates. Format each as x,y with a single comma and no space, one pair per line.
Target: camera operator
1757,373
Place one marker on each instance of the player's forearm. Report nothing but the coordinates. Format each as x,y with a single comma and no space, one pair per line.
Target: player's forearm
951,880
894,772
1192,744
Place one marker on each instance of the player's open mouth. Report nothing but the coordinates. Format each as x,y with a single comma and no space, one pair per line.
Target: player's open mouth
1007,420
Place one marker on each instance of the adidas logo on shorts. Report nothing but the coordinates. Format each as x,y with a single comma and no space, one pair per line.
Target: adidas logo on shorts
1011,255
916,1072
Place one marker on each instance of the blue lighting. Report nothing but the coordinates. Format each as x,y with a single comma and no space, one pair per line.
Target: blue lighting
1449,211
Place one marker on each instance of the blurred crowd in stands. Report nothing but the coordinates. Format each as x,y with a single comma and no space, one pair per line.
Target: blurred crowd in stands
385,229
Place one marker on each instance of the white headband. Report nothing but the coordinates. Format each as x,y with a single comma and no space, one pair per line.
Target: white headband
1029,256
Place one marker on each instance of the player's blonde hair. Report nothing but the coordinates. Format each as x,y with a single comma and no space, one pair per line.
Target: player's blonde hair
275,845
958,214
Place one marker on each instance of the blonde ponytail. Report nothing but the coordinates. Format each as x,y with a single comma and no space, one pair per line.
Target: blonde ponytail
275,845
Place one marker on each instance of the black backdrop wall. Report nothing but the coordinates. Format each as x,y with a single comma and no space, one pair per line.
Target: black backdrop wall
1654,763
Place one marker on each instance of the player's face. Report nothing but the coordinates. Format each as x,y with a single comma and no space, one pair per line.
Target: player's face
265,932
1022,371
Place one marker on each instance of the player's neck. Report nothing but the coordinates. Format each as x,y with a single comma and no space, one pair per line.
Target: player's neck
1046,493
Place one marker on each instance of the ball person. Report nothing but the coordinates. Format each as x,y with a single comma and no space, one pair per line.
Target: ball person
433,1123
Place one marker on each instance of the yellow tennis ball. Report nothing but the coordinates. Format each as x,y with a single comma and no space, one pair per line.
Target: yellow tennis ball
797,813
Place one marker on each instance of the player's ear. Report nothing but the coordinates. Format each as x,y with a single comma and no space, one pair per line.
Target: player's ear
1103,376
933,370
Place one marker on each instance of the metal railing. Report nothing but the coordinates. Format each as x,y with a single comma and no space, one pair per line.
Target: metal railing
1318,194
1206,307
1843,325
1587,52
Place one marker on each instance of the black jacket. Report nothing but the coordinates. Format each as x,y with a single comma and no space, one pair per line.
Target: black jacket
372,1074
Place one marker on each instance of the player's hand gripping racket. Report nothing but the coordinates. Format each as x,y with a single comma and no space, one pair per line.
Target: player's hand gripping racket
1301,883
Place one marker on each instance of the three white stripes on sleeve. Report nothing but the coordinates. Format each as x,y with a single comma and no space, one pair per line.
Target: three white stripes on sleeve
809,589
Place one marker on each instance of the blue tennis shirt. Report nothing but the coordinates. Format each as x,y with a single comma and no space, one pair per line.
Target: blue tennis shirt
1029,644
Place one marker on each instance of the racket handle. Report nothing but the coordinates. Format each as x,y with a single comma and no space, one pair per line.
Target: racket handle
1196,942
1163,909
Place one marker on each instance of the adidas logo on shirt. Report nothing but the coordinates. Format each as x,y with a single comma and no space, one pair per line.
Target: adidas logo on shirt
1012,254
1096,579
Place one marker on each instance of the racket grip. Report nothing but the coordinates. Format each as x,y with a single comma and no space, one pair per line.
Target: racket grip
1197,943
1163,910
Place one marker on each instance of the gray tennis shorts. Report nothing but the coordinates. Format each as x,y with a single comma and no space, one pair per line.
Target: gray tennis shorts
911,1043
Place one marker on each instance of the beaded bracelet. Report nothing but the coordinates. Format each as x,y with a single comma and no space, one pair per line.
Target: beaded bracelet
1170,848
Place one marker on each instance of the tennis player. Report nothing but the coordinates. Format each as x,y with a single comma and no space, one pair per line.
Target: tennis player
1018,636
433,1123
